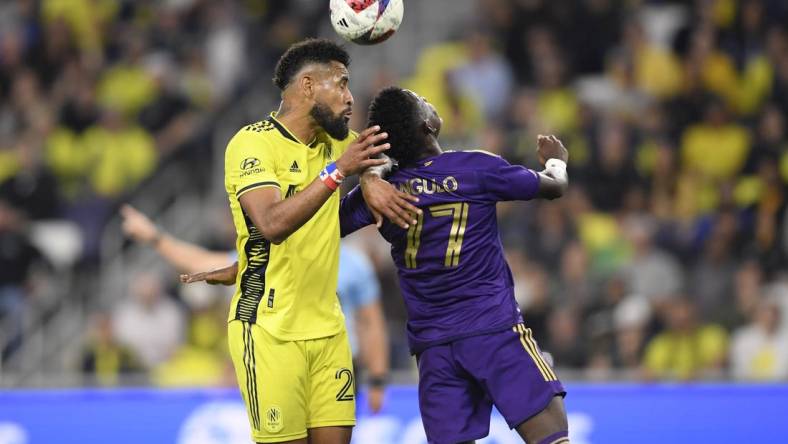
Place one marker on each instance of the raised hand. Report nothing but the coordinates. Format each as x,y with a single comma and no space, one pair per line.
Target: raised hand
137,225
361,153
549,147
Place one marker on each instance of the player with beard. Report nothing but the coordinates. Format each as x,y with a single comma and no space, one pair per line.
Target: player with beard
472,347
286,330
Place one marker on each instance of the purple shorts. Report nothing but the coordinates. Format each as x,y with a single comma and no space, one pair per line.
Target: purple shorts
460,381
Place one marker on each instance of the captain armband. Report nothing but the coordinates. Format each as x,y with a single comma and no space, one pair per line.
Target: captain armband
331,176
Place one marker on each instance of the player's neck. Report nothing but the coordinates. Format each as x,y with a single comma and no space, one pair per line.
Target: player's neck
432,148
300,124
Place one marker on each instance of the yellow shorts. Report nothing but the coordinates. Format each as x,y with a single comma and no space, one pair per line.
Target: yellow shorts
292,386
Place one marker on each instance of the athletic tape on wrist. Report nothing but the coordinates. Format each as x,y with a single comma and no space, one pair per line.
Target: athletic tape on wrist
557,167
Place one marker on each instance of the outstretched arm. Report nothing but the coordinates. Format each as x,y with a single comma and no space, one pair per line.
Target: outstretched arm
184,256
223,276
503,181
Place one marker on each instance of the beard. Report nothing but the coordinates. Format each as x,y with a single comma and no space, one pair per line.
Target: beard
334,125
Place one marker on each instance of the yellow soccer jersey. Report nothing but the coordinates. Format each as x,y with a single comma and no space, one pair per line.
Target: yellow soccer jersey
288,289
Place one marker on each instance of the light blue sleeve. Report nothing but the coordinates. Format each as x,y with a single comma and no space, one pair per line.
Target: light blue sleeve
361,283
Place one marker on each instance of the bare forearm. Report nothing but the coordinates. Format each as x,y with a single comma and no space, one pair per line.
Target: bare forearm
223,276
188,258
373,341
288,215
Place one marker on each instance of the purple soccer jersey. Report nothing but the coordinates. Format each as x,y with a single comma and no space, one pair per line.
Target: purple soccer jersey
453,275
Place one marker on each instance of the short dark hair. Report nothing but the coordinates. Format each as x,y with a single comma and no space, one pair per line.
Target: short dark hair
397,113
307,51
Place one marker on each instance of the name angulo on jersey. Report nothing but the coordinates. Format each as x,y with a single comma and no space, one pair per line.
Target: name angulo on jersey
423,185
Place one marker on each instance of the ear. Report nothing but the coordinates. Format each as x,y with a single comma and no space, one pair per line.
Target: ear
428,128
306,84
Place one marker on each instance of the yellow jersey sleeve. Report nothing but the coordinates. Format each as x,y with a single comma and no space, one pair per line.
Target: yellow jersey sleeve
250,162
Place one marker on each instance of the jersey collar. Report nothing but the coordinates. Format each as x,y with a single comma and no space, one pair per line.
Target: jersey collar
286,133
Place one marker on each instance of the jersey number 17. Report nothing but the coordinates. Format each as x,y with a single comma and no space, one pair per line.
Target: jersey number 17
459,213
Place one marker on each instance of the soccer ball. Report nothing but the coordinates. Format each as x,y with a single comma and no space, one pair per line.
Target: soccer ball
366,22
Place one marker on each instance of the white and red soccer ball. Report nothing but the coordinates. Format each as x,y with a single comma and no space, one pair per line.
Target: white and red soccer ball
366,22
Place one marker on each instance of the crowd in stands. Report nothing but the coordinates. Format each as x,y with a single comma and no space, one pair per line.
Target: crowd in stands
666,260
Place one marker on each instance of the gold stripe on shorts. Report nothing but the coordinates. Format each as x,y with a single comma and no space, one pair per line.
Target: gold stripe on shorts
529,338
520,329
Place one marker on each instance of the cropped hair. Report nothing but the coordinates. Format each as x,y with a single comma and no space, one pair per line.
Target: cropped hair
397,113
302,53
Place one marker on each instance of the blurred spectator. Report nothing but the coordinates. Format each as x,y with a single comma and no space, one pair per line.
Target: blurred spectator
557,103
631,320
32,189
641,63
123,154
545,236
203,360
149,321
18,257
103,360
612,173
485,76
748,285
531,290
576,286
767,216
771,143
565,340
688,348
651,272
716,148
759,350
169,117
711,279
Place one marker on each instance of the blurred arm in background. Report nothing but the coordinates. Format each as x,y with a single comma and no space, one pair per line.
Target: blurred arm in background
184,256
374,345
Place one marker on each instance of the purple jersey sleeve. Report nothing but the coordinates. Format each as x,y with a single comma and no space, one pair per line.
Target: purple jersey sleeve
504,181
353,213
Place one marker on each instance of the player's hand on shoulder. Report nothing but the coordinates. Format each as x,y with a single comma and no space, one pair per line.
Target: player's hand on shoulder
361,153
384,200
549,147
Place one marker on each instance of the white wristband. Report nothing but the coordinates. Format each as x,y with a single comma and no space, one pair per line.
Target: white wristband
556,168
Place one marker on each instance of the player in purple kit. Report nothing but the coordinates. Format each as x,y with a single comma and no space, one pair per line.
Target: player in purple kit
464,326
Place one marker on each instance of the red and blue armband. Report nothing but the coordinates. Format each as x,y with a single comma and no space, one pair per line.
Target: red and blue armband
331,176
